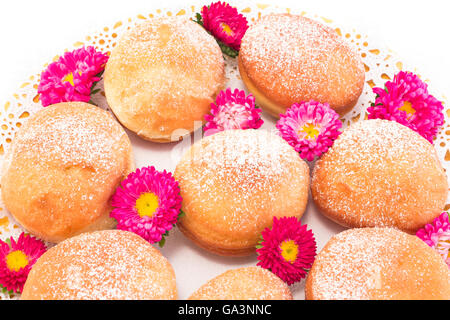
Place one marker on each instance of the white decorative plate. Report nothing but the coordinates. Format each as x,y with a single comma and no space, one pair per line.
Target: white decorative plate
194,266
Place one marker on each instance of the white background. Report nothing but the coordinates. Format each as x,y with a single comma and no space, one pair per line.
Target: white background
32,32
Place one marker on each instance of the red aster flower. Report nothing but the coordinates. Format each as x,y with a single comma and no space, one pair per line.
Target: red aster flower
437,236
407,101
72,77
147,203
310,128
288,249
233,110
226,24
16,260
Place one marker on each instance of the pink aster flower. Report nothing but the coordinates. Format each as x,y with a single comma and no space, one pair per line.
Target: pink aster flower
225,23
310,128
233,110
72,77
288,249
17,259
147,203
437,236
407,101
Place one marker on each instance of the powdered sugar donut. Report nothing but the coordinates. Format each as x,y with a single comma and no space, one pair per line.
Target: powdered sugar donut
102,265
252,283
377,264
380,174
64,165
286,59
162,76
233,183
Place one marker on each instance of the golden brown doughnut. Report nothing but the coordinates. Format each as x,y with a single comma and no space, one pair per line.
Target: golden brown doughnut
377,264
102,265
380,174
286,59
233,183
63,166
162,76
252,283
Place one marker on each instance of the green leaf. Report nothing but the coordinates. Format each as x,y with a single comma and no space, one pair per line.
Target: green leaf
95,91
181,214
227,50
162,242
261,240
100,74
6,291
8,241
163,239
198,19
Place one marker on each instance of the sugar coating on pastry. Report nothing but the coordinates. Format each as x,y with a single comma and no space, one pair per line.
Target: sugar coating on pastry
286,59
377,264
102,265
233,183
380,174
251,283
64,164
162,76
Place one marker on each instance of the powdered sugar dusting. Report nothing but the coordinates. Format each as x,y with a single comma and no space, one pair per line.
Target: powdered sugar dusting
90,137
301,58
63,166
252,283
163,74
378,263
240,179
102,265
380,173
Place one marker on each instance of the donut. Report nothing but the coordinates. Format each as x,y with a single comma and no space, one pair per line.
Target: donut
377,264
233,183
162,76
380,173
64,165
251,283
286,59
101,265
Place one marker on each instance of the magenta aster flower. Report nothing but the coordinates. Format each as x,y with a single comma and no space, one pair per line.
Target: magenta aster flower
225,23
288,249
437,236
310,128
72,77
147,203
407,101
17,259
233,110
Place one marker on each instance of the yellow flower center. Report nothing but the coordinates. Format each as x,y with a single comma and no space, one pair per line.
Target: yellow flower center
16,260
226,28
311,131
147,204
69,78
407,107
289,250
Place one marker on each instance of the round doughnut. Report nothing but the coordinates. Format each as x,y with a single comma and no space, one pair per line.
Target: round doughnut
162,76
380,173
64,165
286,59
102,265
377,264
233,183
252,283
